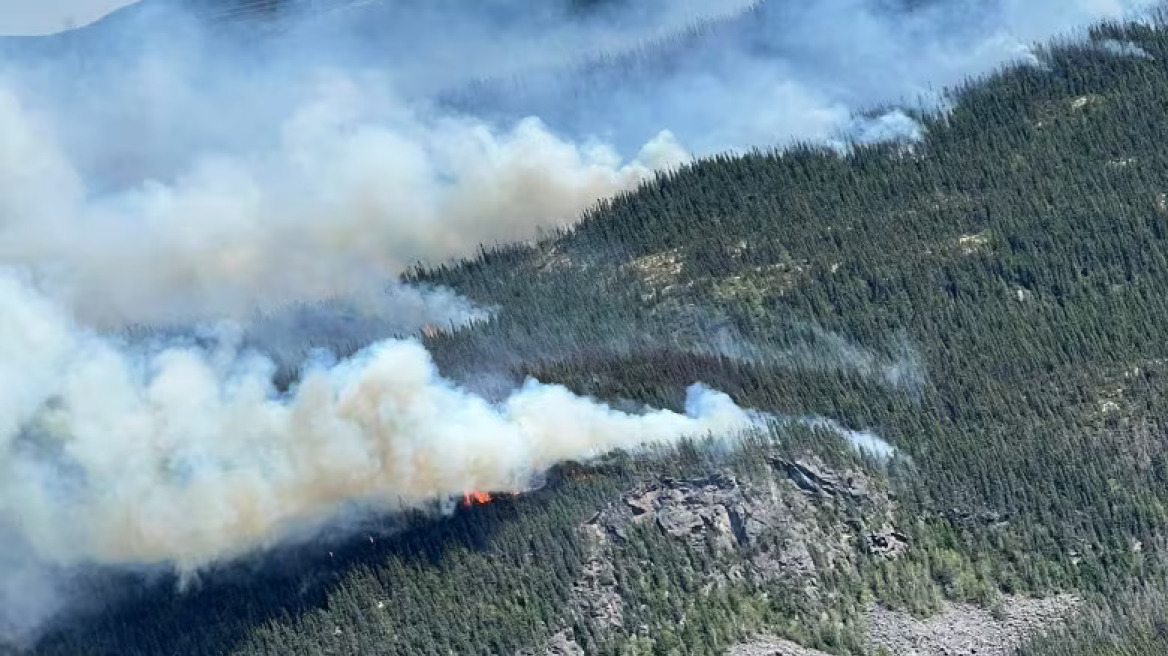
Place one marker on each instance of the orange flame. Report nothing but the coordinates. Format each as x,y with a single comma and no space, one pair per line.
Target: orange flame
472,498
429,330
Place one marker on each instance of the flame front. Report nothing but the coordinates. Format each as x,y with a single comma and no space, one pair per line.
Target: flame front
473,498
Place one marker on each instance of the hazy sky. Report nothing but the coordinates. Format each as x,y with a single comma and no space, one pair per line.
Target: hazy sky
46,16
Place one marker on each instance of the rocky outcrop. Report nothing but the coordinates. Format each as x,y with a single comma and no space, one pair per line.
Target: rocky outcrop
963,630
769,646
817,481
595,598
886,543
804,517
594,595
705,512
775,524
561,644
959,630
785,526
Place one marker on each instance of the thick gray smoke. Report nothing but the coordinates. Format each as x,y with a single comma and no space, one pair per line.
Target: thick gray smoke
186,456
790,71
154,172
249,170
339,205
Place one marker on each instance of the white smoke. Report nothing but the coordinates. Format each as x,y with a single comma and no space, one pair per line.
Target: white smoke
863,441
182,180
340,206
802,71
244,183
1123,49
183,456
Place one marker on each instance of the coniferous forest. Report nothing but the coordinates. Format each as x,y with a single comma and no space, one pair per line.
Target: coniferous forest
991,300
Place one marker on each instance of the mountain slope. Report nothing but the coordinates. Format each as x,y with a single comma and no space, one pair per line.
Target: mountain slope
990,300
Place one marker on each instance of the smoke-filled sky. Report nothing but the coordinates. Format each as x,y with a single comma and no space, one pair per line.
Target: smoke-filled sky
32,17
153,172
301,164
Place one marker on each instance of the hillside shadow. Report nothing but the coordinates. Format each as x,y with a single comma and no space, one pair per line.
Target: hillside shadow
210,615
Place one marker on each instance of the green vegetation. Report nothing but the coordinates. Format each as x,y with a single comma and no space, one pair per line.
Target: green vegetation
1020,250
993,301
1132,625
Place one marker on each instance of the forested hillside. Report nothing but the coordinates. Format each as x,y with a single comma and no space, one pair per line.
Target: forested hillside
991,300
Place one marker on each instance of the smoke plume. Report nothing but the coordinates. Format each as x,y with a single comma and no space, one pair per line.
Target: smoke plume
187,456
253,168
791,71
154,172
338,207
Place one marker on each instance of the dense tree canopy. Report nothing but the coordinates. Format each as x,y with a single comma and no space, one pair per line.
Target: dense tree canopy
992,300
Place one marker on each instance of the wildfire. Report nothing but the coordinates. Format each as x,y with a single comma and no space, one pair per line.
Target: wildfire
473,498
429,330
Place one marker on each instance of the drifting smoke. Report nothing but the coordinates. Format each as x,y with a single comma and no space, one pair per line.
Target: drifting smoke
865,442
318,161
155,173
487,360
1123,49
188,456
792,71
340,206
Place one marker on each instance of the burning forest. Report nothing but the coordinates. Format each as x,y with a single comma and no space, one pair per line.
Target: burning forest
265,273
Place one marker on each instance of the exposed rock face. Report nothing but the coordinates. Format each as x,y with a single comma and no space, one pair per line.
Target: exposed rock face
816,481
788,526
766,530
594,595
771,527
963,630
561,644
774,647
960,630
707,512
774,525
887,543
